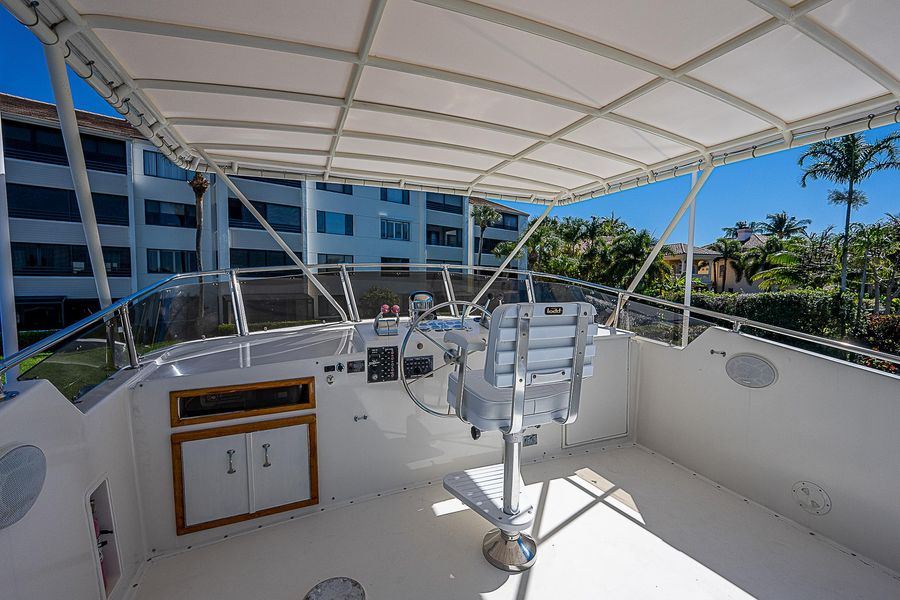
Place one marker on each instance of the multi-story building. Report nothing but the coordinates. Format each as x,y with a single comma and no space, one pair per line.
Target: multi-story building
147,218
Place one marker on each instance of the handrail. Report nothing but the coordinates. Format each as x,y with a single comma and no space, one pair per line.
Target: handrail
622,297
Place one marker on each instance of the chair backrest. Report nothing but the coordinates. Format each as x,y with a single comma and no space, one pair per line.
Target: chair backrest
553,340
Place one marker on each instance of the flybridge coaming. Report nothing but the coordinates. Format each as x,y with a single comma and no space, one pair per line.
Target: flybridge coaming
717,105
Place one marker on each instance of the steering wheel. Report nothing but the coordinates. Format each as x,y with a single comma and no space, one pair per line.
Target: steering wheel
449,351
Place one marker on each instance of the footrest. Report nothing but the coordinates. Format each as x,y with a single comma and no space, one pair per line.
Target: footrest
481,490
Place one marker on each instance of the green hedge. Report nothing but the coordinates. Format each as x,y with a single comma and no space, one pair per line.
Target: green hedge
883,333
818,312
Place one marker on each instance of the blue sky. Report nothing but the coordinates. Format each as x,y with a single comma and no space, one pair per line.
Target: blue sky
743,191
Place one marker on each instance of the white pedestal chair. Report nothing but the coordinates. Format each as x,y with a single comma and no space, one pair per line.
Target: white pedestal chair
537,356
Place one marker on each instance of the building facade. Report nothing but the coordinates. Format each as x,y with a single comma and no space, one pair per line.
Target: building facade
147,218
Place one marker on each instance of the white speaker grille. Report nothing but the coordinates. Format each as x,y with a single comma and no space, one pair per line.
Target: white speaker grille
22,473
751,371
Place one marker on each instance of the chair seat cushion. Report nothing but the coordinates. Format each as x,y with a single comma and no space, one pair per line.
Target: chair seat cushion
489,408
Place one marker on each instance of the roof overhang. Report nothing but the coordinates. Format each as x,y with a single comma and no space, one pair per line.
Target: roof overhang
511,99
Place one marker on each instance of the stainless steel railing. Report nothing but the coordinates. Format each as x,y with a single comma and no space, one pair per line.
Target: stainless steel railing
121,309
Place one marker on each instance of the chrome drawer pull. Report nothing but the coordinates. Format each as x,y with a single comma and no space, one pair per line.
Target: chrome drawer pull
266,462
231,469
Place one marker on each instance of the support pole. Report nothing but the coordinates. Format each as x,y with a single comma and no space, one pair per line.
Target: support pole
59,79
695,189
278,239
7,292
689,271
513,254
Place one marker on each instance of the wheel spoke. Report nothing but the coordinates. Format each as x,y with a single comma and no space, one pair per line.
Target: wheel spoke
434,341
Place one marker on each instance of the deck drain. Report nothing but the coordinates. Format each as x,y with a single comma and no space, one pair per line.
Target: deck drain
337,588
812,498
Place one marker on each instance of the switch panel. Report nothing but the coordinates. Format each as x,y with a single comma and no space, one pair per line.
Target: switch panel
382,364
415,366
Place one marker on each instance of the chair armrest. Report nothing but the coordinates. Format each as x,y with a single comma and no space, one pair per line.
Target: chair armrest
466,344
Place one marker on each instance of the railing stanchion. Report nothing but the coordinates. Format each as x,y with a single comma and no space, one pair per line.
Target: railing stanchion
619,303
125,317
529,287
448,289
349,295
237,301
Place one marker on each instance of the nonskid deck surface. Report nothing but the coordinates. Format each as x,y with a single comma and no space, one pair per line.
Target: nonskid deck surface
619,523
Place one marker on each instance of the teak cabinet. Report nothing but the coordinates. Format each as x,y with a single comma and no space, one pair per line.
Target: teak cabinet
229,474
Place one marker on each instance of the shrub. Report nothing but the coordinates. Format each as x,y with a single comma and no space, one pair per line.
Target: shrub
817,312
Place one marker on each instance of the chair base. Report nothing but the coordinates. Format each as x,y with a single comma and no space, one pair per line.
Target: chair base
512,552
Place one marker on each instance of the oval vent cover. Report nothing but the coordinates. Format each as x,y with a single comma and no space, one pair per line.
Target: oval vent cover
22,473
750,370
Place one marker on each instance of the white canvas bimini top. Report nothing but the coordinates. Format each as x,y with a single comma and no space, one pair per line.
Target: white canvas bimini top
516,99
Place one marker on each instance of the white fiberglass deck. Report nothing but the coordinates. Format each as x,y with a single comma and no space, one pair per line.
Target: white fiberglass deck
618,523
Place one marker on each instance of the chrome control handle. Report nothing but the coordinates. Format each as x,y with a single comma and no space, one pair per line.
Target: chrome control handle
231,470
266,462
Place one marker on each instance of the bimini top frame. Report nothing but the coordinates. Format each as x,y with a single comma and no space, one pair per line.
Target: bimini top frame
523,101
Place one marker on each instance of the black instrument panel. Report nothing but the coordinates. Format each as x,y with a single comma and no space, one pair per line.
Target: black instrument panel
381,364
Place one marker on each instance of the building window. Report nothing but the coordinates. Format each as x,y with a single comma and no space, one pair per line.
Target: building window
157,165
67,260
332,222
171,261
335,259
444,203
438,235
295,183
440,261
392,266
394,230
338,188
169,214
279,216
509,222
489,245
26,141
55,204
394,195
242,258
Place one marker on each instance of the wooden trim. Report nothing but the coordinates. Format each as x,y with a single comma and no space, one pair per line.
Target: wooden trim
177,439
175,419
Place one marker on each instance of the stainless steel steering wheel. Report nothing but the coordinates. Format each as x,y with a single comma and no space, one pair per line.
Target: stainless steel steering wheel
451,355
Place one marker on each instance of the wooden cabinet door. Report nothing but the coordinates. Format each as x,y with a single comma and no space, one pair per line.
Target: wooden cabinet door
216,479
279,464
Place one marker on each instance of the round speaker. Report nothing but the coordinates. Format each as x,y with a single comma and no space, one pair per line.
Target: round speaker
22,473
750,370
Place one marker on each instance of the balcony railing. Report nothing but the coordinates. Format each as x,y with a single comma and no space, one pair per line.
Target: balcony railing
239,302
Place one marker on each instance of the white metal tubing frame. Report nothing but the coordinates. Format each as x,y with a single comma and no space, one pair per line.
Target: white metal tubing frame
278,239
7,291
689,267
695,189
65,108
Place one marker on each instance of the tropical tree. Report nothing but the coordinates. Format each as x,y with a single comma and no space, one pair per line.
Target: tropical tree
484,216
805,261
199,184
849,161
730,251
783,225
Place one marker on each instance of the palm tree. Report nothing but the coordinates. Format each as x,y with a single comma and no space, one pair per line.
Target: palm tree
731,232
805,261
199,184
730,250
849,160
783,225
484,216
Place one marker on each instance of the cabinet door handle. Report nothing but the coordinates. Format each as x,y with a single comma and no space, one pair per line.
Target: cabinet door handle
231,469
266,462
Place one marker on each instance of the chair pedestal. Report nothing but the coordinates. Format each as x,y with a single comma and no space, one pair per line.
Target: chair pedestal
495,493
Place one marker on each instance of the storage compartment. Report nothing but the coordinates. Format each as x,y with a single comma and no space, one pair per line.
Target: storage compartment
231,402
103,535
230,474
